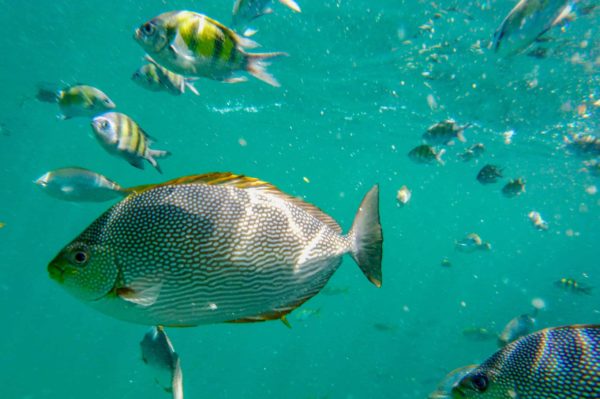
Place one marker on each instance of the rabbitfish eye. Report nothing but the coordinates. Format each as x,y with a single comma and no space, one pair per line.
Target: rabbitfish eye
80,256
479,382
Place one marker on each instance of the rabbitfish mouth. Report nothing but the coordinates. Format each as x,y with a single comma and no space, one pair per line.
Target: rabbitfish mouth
56,272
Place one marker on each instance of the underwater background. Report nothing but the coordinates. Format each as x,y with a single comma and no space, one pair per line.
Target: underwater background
358,90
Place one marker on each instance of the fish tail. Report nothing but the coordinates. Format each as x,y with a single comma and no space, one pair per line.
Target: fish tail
47,92
367,237
257,66
291,4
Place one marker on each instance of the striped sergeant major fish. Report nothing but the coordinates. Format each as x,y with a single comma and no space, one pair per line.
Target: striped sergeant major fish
246,11
154,77
193,44
561,362
213,248
122,137
75,101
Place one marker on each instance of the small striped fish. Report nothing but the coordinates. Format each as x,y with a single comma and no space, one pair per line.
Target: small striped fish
562,362
154,77
189,43
74,101
213,248
121,136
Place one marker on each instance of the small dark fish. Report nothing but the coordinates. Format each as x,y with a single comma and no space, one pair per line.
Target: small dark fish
516,328
561,363
445,132
471,243
583,144
473,152
489,174
426,154
514,188
158,353
571,285
446,263
385,327
478,334
444,388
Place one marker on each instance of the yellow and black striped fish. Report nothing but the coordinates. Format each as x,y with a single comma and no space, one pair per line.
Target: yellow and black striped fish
77,100
121,136
189,43
213,248
154,77
562,362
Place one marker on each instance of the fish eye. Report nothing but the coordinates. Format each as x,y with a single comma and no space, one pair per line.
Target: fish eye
80,256
479,382
103,124
148,28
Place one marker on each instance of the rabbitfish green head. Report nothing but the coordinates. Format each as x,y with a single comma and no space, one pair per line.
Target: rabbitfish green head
562,362
85,268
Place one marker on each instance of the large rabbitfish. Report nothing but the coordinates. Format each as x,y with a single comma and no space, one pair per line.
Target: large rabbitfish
213,248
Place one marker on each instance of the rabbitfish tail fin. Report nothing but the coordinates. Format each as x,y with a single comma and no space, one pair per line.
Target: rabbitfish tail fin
367,237
47,92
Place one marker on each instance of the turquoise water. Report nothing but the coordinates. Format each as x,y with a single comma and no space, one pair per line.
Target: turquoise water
353,102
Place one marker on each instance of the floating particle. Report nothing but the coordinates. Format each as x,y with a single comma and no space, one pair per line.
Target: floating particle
431,101
508,135
242,142
538,303
403,195
306,179
591,190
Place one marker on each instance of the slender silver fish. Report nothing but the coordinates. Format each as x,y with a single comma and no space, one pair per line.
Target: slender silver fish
213,248
158,353
80,185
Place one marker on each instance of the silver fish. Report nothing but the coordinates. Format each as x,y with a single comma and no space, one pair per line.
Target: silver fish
80,185
154,77
213,248
246,11
516,328
158,353
526,22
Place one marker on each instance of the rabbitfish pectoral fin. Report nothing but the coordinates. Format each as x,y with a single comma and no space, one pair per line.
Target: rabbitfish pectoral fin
143,293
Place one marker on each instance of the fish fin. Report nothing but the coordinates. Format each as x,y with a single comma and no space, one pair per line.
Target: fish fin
150,154
48,92
137,163
245,42
461,137
143,293
177,379
257,67
291,4
565,14
438,157
278,314
367,237
249,31
189,83
238,79
246,183
236,6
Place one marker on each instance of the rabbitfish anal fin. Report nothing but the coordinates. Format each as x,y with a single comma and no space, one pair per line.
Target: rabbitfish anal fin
245,183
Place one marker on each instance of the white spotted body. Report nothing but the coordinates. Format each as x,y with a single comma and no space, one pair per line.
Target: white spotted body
188,253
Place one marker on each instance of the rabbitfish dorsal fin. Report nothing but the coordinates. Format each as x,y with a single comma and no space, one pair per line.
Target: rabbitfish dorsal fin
245,182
